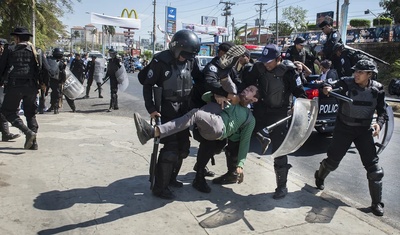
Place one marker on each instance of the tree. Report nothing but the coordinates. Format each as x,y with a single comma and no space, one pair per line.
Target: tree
109,30
392,9
15,13
93,33
284,28
296,16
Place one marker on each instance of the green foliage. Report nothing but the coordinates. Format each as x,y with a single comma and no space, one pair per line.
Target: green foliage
382,21
15,13
312,27
147,54
360,23
284,28
396,69
296,16
392,9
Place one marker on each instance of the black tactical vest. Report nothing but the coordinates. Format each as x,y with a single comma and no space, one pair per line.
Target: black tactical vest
272,87
359,112
24,66
178,83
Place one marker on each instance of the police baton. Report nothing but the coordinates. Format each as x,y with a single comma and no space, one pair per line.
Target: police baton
104,81
157,92
339,96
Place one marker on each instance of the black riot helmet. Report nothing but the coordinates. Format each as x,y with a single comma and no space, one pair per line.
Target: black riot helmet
184,43
58,53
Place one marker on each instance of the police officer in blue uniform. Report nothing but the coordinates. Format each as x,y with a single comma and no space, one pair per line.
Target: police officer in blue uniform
353,125
332,37
172,70
277,81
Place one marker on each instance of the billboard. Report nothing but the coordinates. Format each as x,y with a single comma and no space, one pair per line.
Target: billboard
328,16
170,20
209,20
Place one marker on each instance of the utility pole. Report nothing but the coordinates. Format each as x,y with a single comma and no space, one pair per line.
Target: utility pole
260,20
227,12
34,22
233,29
276,28
154,28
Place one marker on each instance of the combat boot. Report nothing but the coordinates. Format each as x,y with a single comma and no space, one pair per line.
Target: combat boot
281,180
200,182
5,132
162,179
87,92
228,178
34,145
99,89
375,190
207,171
30,136
173,181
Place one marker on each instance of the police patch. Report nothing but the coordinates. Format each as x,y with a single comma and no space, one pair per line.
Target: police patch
150,73
298,81
166,74
213,68
334,35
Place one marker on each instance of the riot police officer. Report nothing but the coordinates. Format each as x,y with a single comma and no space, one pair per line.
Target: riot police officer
172,70
21,65
90,69
113,65
297,52
77,67
353,125
5,130
332,37
57,78
276,80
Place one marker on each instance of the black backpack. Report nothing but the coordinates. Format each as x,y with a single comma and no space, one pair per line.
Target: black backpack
53,69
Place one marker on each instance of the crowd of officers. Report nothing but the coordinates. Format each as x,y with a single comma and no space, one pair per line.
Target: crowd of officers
27,77
277,80
183,84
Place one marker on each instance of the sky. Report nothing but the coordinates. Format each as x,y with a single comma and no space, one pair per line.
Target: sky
191,11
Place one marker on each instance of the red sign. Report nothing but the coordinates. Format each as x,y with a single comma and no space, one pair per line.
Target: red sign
135,52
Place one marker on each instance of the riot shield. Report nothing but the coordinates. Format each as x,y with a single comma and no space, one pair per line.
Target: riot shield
122,78
72,87
387,129
304,116
99,73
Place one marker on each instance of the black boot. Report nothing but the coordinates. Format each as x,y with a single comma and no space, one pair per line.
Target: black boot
163,176
200,183
173,181
321,174
228,178
281,180
116,102
34,145
375,190
99,89
56,110
5,131
30,136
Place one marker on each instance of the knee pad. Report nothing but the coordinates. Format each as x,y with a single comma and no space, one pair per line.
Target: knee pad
375,173
168,156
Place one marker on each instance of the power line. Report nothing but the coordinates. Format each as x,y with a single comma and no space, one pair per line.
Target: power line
227,13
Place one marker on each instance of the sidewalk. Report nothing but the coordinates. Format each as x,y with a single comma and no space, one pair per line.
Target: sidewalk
90,176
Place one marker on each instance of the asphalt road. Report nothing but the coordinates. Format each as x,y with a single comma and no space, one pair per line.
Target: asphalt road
348,182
